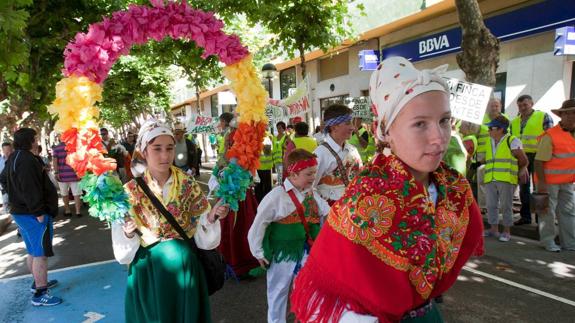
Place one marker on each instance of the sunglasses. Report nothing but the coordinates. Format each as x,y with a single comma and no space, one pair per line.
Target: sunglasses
493,128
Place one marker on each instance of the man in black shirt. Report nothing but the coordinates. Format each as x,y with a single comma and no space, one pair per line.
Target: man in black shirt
33,201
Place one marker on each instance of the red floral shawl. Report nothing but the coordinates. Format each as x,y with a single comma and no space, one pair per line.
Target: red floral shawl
386,248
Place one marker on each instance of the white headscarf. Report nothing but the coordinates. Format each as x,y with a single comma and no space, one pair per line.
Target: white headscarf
151,129
395,82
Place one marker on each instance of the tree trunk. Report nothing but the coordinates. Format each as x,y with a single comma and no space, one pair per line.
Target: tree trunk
198,100
479,57
302,59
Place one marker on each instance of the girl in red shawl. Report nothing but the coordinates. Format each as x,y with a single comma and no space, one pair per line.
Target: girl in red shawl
405,225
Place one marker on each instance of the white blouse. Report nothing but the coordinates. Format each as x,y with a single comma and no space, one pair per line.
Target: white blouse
327,164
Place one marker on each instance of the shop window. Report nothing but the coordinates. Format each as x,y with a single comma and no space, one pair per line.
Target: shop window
326,102
334,66
287,82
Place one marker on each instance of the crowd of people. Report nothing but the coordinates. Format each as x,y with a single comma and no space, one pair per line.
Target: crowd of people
398,204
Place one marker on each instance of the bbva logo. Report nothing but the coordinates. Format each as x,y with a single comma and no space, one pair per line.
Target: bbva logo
433,44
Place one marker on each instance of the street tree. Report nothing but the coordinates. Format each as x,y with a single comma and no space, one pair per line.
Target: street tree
32,41
135,86
479,57
297,26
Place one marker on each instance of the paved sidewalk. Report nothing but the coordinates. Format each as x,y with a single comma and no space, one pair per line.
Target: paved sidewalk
90,293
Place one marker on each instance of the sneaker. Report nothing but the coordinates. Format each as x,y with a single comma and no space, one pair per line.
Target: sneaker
554,248
504,237
50,284
46,300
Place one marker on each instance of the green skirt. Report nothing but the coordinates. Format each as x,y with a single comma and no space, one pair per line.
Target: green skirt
167,284
432,316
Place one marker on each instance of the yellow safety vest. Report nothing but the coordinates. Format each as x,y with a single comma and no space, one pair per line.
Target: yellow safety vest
267,159
278,149
221,144
503,166
307,143
482,139
530,134
366,153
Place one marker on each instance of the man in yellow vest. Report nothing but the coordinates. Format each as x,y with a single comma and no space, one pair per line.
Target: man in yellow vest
362,140
528,126
278,150
493,111
555,170
505,163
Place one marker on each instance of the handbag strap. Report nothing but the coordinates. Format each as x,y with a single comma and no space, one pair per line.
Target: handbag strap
339,163
301,212
167,215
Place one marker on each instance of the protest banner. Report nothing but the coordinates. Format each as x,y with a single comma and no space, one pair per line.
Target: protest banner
296,104
201,124
468,100
361,107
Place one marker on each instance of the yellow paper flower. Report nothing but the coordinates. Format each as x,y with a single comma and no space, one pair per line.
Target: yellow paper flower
251,95
75,103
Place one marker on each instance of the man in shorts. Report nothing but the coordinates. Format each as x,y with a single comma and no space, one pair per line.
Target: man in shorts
67,179
33,202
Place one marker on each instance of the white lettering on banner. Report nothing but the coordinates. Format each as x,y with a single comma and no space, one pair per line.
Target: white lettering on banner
468,101
433,44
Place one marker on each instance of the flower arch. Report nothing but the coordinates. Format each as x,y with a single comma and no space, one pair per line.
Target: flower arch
89,58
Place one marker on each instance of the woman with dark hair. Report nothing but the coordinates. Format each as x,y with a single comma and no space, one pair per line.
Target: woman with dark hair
33,202
234,245
165,278
405,225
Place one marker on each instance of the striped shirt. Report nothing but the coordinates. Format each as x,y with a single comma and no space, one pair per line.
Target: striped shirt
66,172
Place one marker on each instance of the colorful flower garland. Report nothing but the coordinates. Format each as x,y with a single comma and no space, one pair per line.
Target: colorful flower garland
89,58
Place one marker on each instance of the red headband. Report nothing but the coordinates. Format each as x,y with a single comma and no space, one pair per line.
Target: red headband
302,164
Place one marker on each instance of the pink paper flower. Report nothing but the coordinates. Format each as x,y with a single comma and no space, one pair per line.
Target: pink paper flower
94,53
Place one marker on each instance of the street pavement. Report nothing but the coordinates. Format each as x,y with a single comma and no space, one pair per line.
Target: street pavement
514,282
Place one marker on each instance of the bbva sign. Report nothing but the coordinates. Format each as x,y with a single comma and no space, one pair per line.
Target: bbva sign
433,44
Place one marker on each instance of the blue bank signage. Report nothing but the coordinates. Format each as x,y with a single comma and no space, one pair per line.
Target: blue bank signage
537,18
564,41
368,59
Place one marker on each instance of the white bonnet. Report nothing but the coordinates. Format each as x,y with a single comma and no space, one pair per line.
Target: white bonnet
395,82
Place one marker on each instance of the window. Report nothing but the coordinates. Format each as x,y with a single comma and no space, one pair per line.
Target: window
334,66
287,82
326,102
214,105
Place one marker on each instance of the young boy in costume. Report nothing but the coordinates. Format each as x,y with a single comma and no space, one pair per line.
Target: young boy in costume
285,226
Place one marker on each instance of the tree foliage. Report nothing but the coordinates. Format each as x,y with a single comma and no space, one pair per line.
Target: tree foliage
297,26
135,85
36,36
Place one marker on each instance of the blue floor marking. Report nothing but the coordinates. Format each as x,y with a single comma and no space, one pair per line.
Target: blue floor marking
99,289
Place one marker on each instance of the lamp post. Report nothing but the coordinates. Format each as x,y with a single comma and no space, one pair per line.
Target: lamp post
268,72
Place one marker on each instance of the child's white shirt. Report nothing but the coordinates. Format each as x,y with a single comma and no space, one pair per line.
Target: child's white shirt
275,206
